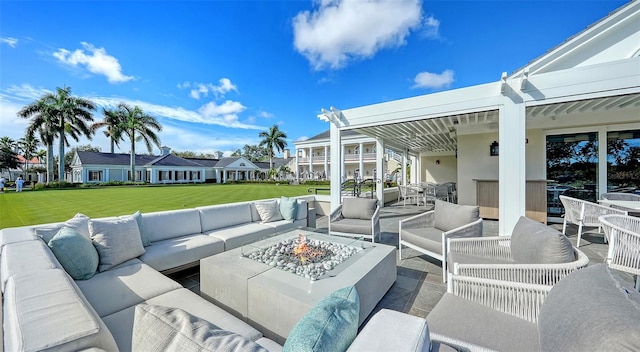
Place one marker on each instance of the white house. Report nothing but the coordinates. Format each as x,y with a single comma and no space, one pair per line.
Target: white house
587,88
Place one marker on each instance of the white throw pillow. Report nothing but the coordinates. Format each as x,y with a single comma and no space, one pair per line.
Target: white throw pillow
116,240
79,222
269,211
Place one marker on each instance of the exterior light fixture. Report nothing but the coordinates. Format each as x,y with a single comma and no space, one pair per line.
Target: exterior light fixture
494,149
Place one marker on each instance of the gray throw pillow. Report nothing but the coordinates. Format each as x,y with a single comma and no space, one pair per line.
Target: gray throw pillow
592,309
80,222
268,211
359,208
116,240
75,253
533,242
157,328
448,216
143,230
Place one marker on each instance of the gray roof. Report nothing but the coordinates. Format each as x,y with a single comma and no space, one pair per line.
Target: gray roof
173,160
99,158
277,162
226,161
205,162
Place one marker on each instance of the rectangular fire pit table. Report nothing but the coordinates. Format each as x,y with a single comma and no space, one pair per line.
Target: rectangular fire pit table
273,300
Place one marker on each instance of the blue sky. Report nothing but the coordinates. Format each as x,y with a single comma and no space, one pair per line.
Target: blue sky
216,73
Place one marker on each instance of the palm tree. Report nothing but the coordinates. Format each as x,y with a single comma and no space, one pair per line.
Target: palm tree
112,121
138,126
8,155
57,115
28,145
273,138
43,122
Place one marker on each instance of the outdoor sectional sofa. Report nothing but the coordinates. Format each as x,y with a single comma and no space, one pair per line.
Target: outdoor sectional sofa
44,308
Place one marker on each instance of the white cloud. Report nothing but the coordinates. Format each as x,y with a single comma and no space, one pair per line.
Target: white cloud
199,90
182,139
96,60
339,31
434,80
12,42
301,139
431,28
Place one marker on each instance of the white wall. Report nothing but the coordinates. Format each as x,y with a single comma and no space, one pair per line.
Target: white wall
536,148
440,169
474,162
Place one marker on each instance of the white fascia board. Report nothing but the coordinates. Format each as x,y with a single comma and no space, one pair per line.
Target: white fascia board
599,80
469,99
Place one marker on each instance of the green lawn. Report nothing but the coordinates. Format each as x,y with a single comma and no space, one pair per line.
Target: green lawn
44,206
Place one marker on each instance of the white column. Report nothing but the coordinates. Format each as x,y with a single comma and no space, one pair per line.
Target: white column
403,167
344,166
297,165
512,168
336,166
326,160
414,170
361,161
602,161
218,178
311,162
380,170
236,175
224,176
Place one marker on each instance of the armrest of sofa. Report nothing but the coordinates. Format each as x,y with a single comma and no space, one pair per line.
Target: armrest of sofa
520,300
390,330
494,246
423,220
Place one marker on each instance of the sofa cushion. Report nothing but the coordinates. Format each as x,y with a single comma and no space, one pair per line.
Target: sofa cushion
76,253
533,242
480,327
329,326
428,238
116,240
284,225
448,216
26,257
121,323
236,236
401,332
268,211
158,328
288,208
79,222
171,223
220,216
174,252
44,310
125,286
359,208
356,226
597,305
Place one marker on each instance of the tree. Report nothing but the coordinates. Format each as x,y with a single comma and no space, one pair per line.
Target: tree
138,126
113,124
8,156
273,139
44,122
28,145
63,113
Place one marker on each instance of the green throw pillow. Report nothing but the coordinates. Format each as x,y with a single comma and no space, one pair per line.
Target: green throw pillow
75,253
288,208
331,325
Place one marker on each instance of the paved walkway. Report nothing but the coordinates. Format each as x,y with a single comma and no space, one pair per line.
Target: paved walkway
419,285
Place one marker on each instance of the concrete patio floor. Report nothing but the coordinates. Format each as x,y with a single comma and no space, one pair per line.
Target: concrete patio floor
419,285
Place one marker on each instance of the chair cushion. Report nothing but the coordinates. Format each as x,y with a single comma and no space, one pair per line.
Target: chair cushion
76,253
268,211
533,242
428,238
478,325
595,304
329,326
158,328
352,226
448,216
116,240
358,208
288,208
